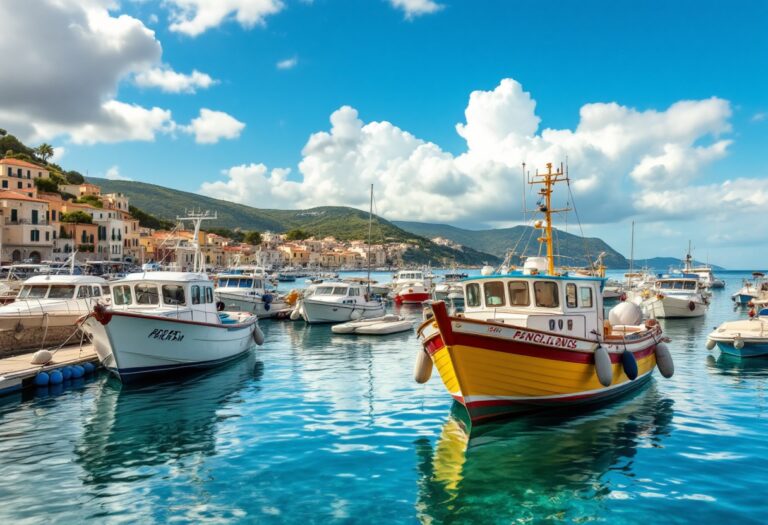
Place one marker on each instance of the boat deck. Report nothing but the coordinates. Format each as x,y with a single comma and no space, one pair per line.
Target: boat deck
17,372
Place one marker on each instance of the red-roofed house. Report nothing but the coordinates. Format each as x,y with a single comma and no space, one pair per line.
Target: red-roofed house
26,233
19,175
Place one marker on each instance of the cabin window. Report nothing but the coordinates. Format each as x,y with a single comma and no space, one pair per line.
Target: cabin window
546,294
83,292
196,299
586,297
324,290
62,292
209,295
354,291
121,295
96,291
246,283
570,295
518,293
257,283
339,290
34,292
105,290
173,294
147,294
473,294
222,283
494,293
690,285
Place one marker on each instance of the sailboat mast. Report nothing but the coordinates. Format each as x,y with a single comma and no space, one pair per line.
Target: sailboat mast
631,254
370,227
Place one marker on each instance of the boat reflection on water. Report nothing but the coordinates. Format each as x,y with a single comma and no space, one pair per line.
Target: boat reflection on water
739,367
134,427
545,465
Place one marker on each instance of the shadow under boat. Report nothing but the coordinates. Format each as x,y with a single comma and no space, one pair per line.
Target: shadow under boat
142,425
537,462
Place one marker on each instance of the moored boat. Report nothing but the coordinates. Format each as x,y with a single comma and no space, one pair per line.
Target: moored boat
751,290
742,338
338,302
536,338
411,287
672,297
385,325
246,291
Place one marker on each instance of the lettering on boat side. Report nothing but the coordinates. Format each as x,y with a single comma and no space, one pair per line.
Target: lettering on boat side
166,335
494,329
544,339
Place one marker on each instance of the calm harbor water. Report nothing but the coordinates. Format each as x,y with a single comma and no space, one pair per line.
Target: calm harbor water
315,427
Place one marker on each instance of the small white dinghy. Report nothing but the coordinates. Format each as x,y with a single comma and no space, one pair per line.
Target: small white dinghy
385,325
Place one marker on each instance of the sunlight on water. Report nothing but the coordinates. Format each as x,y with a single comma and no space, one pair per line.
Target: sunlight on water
316,427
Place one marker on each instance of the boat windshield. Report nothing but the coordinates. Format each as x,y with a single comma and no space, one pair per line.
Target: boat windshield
147,294
61,292
331,290
121,295
33,291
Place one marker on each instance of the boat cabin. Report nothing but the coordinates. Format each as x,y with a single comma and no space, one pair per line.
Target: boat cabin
564,304
188,295
241,283
62,287
343,293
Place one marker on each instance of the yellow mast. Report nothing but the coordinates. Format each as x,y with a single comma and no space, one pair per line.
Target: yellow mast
548,179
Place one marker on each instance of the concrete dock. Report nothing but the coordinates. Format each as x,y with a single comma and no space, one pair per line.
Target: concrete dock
18,372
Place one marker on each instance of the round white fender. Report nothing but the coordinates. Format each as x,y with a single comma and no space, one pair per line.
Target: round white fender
41,357
664,360
258,336
355,315
710,344
422,370
603,366
738,343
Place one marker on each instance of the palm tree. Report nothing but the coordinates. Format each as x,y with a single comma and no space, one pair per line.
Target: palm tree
44,151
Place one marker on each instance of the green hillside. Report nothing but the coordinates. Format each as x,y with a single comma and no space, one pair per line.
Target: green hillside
571,248
335,221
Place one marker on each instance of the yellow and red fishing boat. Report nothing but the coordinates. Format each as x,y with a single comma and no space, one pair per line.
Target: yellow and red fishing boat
537,338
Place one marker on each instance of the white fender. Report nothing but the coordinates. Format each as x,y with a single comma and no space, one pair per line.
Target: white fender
738,343
603,366
41,357
664,360
258,336
296,312
422,370
355,315
711,344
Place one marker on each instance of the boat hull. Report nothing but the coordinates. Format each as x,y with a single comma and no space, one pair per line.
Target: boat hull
252,304
314,311
500,371
412,297
748,350
672,307
742,298
136,346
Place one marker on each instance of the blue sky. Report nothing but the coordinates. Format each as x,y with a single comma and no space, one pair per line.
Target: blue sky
414,71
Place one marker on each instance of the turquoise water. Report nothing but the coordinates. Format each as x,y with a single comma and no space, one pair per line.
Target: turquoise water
322,428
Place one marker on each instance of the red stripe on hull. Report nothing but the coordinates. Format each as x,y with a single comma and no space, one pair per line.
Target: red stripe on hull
413,297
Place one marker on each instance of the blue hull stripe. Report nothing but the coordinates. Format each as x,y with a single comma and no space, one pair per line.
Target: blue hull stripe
749,350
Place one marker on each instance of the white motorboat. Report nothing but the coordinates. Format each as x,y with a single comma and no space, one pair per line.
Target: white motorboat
247,292
338,303
161,322
672,297
411,287
385,325
742,338
751,290
46,310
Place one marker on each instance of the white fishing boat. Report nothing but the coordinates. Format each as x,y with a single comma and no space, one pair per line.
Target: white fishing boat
385,325
672,297
12,277
751,290
338,303
245,290
46,310
161,322
411,287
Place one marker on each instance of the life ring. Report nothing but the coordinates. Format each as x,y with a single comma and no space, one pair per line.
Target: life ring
691,306
101,314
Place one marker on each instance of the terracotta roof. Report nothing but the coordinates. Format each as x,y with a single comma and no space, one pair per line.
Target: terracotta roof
19,162
18,196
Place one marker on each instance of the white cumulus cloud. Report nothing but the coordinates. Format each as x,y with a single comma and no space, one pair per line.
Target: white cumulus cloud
113,173
613,152
414,8
212,126
171,81
194,17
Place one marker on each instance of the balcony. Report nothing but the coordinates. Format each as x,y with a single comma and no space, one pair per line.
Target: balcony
40,222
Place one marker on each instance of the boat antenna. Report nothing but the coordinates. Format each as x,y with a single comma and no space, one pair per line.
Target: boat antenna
370,226
197,218
525,207
631,254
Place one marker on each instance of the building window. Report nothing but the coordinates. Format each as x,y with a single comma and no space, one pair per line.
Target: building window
47,236
34,216
18,172
34,235
53,215
29,174
14,215
39,174
10,172
5,184
21,185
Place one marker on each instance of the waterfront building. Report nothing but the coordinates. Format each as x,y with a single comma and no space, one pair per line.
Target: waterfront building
26,234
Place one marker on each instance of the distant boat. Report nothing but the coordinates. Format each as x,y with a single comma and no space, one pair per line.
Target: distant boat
411,287
751,290
742,338
672,297
245,291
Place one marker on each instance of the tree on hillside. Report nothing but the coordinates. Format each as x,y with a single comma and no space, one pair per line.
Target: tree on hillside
74,177
47,185
44,151
93,200
296,235
77,217
252,237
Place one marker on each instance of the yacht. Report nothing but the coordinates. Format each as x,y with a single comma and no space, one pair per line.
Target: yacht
46,310
742,338
246,290
161,322
673,297
411,287
338,302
